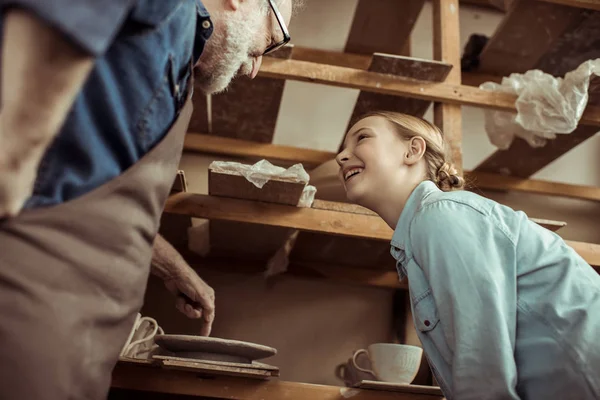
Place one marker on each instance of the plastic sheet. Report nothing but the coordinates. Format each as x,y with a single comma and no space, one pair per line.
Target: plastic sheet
546,105
263,171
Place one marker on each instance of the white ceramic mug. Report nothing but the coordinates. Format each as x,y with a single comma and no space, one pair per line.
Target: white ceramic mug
395,363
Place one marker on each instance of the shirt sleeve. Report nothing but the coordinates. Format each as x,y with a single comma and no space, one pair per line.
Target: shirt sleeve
470,266
90,24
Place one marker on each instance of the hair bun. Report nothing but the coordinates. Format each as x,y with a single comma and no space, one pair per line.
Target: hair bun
448,178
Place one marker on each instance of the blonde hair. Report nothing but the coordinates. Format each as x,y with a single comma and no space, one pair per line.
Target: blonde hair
440,169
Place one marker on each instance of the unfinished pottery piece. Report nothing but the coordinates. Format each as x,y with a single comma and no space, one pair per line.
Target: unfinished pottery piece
214,349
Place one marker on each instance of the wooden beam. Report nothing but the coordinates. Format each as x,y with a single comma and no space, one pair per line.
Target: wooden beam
306,219
526,33
387,84
362,61
491,181
234,112
586,4
291,155
383,26
151,379
221,146
407,67
446,48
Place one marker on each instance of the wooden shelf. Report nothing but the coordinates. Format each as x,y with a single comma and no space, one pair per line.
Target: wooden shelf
139,377
321,221
286,155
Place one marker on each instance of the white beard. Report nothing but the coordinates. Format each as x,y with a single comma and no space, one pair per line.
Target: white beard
227,53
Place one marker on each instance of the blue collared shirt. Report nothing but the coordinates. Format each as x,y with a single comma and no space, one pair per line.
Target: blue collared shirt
503,307
144,50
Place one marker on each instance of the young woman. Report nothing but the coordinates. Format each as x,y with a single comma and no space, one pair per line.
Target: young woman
503,307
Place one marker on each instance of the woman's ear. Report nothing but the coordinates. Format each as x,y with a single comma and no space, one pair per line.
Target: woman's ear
416,147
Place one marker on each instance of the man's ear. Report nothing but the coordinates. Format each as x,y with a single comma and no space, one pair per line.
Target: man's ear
232,5
416,147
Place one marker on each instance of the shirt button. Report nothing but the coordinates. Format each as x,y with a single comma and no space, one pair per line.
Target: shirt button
206,24
427,323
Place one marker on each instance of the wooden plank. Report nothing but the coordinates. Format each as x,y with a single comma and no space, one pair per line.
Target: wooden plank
483,180
362,61
576,45
424,70
383,26
249,108
306,219
387,84
217,370
371,276
446,48
199,119
587,4
522,160
255,151
185,383
527,32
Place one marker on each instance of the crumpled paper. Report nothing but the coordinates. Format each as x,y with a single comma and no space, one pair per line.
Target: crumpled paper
546,105
263,171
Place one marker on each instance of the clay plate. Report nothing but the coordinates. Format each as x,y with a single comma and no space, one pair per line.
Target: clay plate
202,344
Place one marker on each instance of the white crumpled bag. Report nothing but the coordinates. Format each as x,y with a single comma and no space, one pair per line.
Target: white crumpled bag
546,105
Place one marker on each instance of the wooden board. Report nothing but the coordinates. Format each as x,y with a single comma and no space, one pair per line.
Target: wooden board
307,219
158,380
254,365
383,26
217,370
576,45
465,95
401,388
249,108
174,228
424,70
528,31
446,48
199,121
276,154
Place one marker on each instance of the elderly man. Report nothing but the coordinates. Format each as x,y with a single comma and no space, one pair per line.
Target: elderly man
95,105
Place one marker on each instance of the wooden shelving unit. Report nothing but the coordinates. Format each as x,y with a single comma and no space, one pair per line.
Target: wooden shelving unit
347,243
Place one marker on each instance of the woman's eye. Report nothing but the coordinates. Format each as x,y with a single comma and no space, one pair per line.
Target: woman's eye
361,137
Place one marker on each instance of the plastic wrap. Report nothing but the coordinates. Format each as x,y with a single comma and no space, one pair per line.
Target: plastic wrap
546,105
263,171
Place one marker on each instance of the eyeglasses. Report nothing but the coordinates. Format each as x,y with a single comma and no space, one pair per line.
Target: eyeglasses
286,35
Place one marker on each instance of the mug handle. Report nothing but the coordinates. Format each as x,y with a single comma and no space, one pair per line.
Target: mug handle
340,371
356,354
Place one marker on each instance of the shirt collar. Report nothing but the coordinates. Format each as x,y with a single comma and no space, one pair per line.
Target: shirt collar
413,204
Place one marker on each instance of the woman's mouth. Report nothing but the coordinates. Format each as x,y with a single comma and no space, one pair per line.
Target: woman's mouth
352,172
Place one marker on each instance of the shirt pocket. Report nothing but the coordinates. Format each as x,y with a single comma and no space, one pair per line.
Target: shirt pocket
426,313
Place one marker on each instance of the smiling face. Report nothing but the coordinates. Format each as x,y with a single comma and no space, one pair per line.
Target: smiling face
372,160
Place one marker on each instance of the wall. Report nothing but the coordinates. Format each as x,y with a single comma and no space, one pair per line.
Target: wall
315,324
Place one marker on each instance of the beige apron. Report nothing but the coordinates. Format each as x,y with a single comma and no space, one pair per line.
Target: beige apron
73,277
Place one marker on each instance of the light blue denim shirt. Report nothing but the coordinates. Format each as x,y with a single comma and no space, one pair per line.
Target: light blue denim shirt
503,307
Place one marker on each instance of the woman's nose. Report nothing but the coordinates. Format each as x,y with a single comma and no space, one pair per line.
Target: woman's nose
342,158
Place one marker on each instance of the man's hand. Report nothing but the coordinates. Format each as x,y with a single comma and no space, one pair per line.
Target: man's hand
194,297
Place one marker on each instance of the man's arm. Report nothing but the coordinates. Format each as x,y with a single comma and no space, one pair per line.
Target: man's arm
42,73
194,297
470,266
